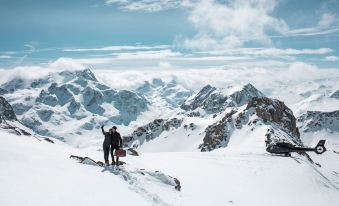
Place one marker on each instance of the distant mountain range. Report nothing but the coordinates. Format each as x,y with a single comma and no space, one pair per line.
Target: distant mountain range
158,115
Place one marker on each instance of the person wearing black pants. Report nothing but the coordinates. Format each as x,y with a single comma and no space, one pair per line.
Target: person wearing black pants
116,144
107,143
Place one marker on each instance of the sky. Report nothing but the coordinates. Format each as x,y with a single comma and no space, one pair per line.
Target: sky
168,34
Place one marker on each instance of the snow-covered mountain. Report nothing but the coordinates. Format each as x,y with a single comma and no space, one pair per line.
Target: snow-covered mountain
164,94
313,121
213,100
69,103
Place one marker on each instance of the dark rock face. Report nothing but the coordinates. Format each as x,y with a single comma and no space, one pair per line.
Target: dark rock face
20,108
6,116
268,111
247,93
151,131
313,121
6,111
213,100
92,100
14,84
276,111
218,134
47,98
335,95
3,91
199,99
45,114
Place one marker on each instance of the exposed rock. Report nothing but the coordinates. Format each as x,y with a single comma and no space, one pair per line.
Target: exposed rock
87,126
87,160
92,100
150,131
3,91
199,99
75,90
21,108
268,111
190,126
47,98
13,85
132,152
37,83
218,134
276,111
45,115
335,95
6,111
61,92
73,106
133,176
313,121
8,117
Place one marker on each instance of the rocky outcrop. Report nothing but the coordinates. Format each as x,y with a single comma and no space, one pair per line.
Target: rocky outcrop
150,131
335,95
259,110
8,119
134,177
218,134
3,91
313,121
6,111
272,110
214,100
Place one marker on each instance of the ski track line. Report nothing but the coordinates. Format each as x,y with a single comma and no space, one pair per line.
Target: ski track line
319,173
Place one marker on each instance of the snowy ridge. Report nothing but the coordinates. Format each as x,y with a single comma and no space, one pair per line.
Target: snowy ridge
213,100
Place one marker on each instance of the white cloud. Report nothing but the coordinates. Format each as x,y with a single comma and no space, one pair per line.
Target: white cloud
331,58
162,54
66,63
231,24
326,20
146,5
5,57
165,65
118,48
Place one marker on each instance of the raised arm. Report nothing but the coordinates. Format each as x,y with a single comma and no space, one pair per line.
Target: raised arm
102,129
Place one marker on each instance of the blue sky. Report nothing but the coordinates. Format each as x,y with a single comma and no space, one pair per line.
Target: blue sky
169,33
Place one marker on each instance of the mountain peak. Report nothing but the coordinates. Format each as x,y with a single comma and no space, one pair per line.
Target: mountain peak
214,100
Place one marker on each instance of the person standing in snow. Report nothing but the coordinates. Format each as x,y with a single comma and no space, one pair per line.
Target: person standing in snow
107,143
116,144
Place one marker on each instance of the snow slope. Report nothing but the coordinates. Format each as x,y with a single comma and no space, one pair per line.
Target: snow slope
40,173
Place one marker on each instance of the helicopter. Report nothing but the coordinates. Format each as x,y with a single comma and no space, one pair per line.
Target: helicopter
286,148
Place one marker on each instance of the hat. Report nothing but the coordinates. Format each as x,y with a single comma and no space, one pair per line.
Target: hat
114,127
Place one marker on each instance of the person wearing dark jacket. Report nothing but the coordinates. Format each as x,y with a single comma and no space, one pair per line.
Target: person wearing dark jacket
116,144
107,143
